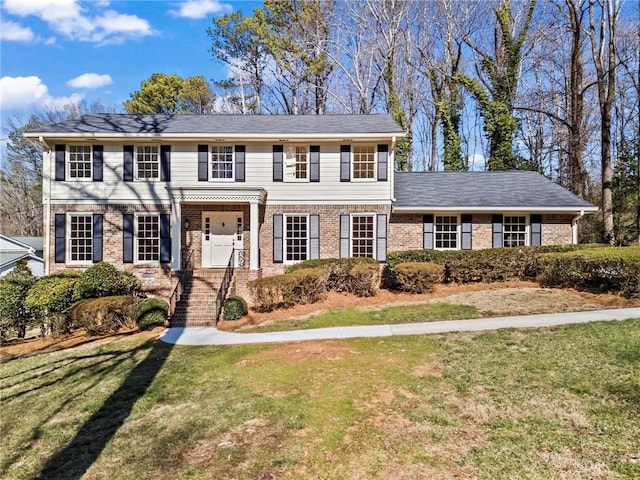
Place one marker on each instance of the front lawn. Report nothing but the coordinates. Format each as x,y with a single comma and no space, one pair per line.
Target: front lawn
542,404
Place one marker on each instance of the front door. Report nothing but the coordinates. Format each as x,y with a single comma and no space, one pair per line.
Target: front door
221,232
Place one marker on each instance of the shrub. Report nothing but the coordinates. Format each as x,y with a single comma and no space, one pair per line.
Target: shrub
235,308
14,315
105,315
300,287
105,280
48,300
152,312
363,279
416,277
336,271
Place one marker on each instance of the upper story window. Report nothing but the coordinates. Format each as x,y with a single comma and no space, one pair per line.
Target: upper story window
221,162
364,162
514,231
80,164
80,238
148,238
147,159
297,163
362,236
446,232
296,244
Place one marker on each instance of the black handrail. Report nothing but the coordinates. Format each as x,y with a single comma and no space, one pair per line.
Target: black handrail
185,275
224,286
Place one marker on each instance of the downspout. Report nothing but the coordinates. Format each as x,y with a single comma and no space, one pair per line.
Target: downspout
46,206
574,227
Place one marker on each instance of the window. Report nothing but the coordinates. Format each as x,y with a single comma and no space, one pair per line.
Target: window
80,238
148,238
222,162
80,161
297,163
514,231
362,236
364,161
147,162
446,232
296,238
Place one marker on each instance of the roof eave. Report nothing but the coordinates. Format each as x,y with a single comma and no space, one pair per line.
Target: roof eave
492,209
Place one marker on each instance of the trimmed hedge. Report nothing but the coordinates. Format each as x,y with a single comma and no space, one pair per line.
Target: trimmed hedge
338,274
48,300
417,277
105,280
105,315
363,279
235,308
284,291
15,317
152,312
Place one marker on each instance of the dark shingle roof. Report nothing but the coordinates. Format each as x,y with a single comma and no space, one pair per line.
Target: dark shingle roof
482,189
225,124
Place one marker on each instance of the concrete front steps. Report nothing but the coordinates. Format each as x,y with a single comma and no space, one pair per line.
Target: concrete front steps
197,305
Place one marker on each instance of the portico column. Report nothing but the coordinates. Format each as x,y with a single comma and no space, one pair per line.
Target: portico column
254,250
176,229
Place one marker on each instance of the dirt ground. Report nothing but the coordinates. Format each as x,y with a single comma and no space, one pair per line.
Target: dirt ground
504,298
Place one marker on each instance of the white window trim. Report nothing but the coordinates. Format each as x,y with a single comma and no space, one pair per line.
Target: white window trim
527,228
375,162
293,179
68,163
136,260
375,232
210,163
284,237
458,232
136,177
68,238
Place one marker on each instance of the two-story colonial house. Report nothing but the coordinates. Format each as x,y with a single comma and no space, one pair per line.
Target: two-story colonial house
144,191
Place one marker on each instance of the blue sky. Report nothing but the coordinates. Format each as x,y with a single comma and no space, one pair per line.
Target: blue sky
57,51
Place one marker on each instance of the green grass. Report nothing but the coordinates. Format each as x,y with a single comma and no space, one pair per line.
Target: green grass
537,404
426,312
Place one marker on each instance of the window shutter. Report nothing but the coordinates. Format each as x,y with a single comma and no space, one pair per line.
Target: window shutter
536,230
165,163
345,227
381,237
128,163
240,163
314,237
277,163
383,162
59,159
345,163
427,232
466,221
60,227
277,239
165,238
97,238
496,220
203,163
127,234
98,163
314,163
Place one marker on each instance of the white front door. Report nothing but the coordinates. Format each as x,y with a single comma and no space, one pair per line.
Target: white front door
221,232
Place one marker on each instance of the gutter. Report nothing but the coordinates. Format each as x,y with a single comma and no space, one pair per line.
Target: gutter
491,209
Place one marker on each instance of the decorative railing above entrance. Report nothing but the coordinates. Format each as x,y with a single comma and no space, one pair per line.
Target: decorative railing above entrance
241,258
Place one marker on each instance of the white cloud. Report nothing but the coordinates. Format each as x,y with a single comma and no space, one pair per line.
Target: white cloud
69,19
90,80
201,9
12,32
26,92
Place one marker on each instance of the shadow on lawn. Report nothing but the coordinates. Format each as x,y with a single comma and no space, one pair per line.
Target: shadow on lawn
72,462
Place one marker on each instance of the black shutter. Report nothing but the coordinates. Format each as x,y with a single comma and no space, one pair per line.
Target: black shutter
314,237
345,163
98,163
498,240
97,238
60,151
165,238
314,163
536,230
240,163
345,228
127,152
381,237
127,236
466,221
278,153
165,163
277,238
60,228
203,163
427,232
383,162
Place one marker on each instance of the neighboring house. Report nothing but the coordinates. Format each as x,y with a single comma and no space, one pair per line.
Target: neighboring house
13,249
143,191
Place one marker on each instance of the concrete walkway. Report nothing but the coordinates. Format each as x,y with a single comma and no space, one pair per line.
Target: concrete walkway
212,336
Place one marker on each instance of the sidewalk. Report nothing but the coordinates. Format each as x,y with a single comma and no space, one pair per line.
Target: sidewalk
212,336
